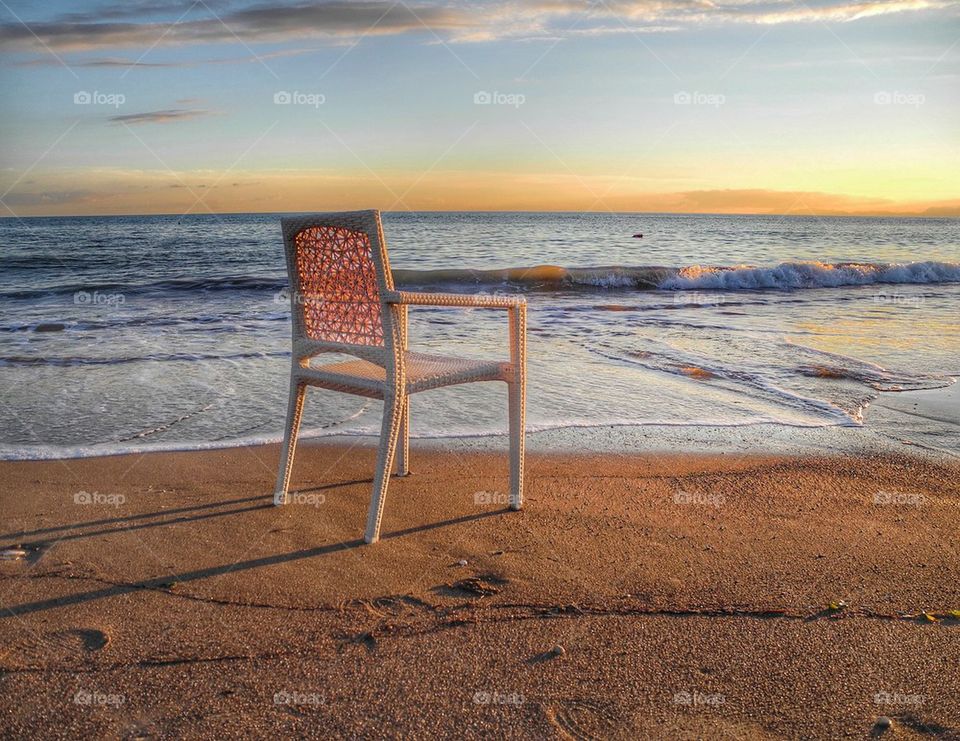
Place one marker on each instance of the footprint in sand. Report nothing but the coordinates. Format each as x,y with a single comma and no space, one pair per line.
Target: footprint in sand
92,639
395,606
139,729
60,646
79,641
921,726
27,554
482,585
584,721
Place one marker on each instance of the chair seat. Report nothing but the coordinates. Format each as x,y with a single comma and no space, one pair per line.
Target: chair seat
423,372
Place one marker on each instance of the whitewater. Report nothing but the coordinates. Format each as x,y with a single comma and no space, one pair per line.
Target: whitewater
148,333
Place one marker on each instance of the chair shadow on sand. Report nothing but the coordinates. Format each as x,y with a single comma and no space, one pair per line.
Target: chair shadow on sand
191,514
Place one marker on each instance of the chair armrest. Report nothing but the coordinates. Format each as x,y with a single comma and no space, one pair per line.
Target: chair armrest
410,298
516,306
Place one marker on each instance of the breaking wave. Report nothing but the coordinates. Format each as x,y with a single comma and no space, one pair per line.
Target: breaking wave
785,276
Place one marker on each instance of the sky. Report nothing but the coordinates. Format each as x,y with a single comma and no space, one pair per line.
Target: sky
715,106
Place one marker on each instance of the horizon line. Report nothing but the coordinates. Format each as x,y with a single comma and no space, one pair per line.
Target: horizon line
814,215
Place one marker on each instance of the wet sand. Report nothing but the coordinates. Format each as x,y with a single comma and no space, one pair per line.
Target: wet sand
651,596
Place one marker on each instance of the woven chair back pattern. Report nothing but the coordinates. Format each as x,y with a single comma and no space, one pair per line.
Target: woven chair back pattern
339,293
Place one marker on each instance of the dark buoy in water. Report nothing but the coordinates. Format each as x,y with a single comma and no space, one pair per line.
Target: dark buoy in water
638,236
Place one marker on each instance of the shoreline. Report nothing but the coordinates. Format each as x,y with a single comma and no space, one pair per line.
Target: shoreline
164,594
927,421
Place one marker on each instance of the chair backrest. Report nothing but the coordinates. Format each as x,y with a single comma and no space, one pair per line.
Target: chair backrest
339,273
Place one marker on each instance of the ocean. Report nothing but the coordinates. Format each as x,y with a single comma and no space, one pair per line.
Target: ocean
134,333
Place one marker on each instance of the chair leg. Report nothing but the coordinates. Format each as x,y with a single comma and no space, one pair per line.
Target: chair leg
517,391
289,447
389,432
403,443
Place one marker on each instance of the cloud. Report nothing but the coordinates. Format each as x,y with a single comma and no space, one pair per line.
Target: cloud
263,23
48,199
125,62
169,115
847,12
49,61
113,190
132,9
140,25
763,200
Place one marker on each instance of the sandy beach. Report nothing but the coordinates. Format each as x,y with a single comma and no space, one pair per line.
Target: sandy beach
722,596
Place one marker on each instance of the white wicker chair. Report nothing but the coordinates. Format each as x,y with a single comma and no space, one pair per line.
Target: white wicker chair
343,301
